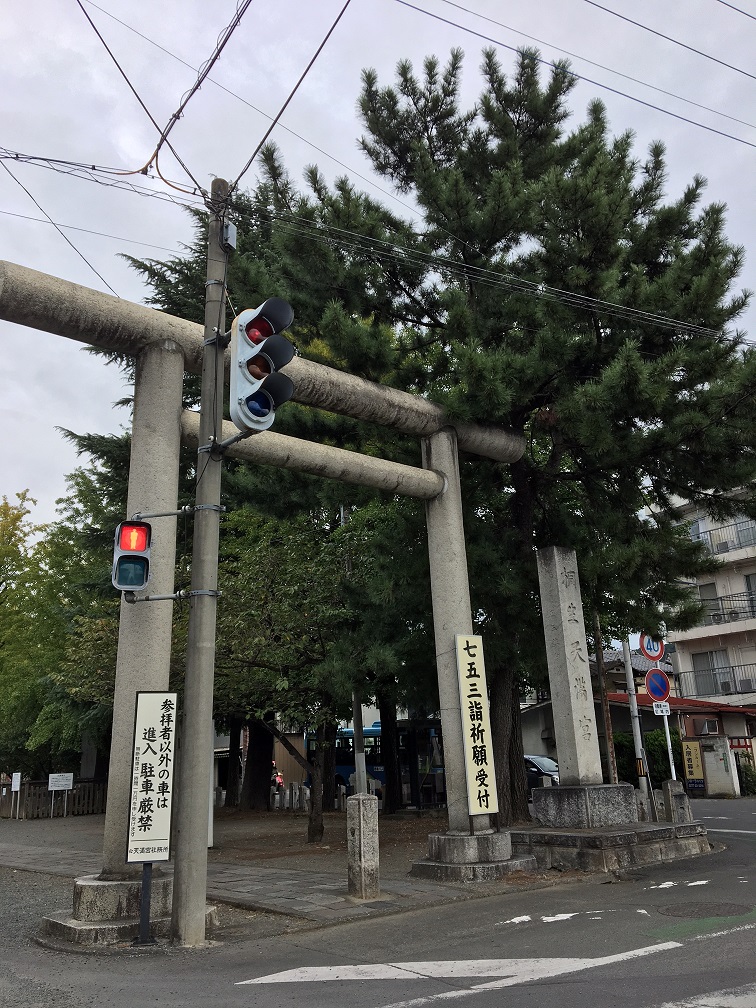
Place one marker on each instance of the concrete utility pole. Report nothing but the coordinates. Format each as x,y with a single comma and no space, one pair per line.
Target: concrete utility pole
190,878
640,754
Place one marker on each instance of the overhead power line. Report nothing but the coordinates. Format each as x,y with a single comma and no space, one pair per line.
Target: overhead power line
577,76
600,66
733,7
293,91
98,234
669,38
381,249
134,92
58,229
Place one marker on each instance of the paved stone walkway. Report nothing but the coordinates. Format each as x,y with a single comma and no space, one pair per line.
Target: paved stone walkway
313,895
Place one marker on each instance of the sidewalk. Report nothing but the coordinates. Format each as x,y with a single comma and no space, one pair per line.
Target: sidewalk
261,861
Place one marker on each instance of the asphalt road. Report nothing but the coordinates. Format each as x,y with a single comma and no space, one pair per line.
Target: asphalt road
682,934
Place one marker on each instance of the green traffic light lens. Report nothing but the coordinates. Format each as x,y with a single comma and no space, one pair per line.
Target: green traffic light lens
131,572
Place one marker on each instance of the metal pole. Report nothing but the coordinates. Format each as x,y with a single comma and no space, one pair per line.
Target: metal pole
360,781
190,876
665,719
635,719
611,759
144,937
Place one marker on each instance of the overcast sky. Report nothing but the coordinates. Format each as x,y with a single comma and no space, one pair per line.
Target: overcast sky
62,97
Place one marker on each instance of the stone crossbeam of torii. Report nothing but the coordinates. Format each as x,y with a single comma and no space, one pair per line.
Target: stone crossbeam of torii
164,347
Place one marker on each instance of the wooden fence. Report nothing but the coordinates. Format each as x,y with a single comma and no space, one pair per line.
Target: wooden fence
35,801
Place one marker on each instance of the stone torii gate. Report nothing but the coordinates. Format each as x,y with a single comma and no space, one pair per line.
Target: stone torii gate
164,347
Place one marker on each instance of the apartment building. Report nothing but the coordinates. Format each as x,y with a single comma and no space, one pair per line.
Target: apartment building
716,660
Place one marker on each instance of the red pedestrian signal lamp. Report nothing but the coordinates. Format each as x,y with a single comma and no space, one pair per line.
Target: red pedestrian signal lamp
131,556
258,353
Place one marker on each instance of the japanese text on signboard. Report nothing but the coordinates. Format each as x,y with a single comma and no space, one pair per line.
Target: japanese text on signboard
476,726
152,777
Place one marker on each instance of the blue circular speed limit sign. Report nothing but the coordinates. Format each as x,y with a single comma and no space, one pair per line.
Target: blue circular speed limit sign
651,648
657,684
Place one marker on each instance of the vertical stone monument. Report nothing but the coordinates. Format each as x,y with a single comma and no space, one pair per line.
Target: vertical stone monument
581,800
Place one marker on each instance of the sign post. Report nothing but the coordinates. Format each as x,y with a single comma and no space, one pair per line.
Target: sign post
59,782
658,687
16,790
149,829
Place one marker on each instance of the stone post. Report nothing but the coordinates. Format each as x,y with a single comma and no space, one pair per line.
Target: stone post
569,668
362,846
581,801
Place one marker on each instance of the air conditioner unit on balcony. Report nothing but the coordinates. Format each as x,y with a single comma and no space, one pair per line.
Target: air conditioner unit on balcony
717,617
725,686
723,547
746,685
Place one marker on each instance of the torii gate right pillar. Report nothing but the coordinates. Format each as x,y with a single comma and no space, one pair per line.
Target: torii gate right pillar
472,849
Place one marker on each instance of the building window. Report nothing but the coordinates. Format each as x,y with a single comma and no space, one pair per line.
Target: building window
712,673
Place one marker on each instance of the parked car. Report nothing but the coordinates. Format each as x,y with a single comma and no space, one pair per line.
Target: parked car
538,767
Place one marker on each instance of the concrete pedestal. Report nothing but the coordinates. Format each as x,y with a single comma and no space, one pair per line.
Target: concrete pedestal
590,807
108,912
478,857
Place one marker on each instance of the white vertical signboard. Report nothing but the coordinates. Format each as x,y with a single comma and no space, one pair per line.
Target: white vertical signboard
152,777
476,726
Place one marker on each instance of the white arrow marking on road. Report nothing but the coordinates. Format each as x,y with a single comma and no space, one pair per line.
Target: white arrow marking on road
512,971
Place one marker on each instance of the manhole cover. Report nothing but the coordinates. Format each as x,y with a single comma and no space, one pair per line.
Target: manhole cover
705,910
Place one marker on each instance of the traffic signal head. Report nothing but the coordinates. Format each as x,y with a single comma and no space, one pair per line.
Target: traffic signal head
131,556
257,354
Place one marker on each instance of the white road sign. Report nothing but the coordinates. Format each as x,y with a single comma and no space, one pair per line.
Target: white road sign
16,781
60,782
476,726
661,707
152,777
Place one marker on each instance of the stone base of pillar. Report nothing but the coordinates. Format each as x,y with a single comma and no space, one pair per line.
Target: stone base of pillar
611,849
480,857
106,913
589,807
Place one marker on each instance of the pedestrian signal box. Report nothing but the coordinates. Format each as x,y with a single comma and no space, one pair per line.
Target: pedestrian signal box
131,556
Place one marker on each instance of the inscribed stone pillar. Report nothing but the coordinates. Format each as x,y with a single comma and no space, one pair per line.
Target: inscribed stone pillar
569,669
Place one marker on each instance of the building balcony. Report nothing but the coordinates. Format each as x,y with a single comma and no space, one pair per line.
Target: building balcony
726,614
728,609
728,538
727,681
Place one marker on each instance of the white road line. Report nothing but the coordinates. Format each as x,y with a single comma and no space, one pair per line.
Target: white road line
511,971
540,968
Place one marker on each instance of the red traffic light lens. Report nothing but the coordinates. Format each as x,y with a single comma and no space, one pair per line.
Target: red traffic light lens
134,537
258,329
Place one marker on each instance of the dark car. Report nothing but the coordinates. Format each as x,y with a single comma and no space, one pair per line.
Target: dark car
538,767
